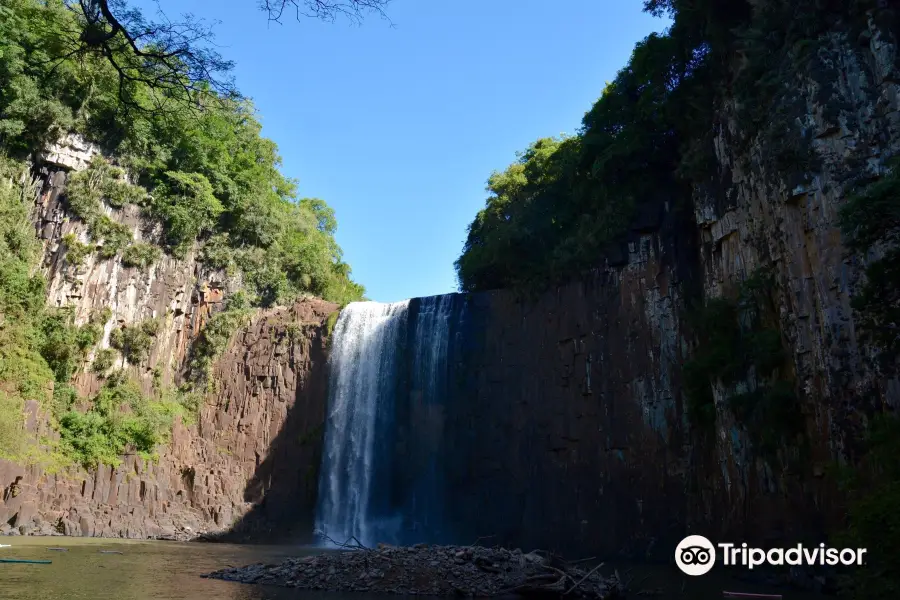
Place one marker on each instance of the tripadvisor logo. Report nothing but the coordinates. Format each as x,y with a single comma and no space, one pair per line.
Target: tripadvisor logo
696,555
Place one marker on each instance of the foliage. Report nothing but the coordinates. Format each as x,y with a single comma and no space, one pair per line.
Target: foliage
100,181
215,336
24,373
141,255
120,418
871,219
218,253
63,345
872,520
556,210
213,177
12,425
173,62
134,341
103,360
64,399
647,141
331,321
186,204
185,401
84,192
115,236
76,251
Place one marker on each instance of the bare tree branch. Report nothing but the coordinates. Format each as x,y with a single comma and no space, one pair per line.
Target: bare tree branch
176,61
326,10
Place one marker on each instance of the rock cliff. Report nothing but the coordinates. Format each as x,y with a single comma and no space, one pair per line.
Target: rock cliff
567,424
262,424
596,410
269,382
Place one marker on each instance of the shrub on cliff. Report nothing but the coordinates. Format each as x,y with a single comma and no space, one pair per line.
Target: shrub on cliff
216,335
134,341
141,255
187,206
103,361
121,418
12,426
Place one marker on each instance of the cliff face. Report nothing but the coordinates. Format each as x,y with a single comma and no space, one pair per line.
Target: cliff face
567,425
846,107
269,380
182,294
213,473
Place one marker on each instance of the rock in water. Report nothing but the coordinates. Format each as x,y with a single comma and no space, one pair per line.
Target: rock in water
472,571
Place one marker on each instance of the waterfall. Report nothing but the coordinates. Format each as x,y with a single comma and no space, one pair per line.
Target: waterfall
362,369
388,374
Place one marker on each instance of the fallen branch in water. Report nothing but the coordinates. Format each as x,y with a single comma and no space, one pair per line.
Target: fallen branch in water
357,545
591,572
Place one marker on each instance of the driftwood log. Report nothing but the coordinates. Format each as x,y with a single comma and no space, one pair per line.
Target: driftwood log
468,571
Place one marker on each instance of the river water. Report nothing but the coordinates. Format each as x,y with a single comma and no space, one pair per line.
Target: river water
171,571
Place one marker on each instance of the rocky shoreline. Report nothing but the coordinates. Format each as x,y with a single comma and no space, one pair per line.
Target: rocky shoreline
66,528
472,571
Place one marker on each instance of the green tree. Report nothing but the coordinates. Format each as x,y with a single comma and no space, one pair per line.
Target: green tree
187,206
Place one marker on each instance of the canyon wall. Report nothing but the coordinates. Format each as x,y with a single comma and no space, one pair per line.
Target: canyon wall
269,382
564,422
566,425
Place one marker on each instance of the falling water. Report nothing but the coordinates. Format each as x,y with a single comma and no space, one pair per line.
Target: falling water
428,379
386,360
361,375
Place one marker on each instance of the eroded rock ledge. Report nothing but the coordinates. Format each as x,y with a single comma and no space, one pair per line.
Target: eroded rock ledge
472,571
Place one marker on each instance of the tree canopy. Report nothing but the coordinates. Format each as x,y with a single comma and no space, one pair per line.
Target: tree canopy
175,57
212,178
553,213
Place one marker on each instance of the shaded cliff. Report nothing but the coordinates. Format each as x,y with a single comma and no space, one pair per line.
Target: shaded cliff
705,380
270,383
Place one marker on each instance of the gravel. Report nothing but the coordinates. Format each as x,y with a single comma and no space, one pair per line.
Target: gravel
472,571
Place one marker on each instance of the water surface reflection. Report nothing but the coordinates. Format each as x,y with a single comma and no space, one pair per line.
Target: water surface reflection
171,571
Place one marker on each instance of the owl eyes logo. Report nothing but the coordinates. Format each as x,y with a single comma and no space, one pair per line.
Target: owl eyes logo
695,555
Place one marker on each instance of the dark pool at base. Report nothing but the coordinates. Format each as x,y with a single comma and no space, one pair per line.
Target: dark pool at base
171,571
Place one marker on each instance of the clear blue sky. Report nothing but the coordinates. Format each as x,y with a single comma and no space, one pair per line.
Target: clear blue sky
398,128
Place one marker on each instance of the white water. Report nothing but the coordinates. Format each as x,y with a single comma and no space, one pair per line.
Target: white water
360,376
367,352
